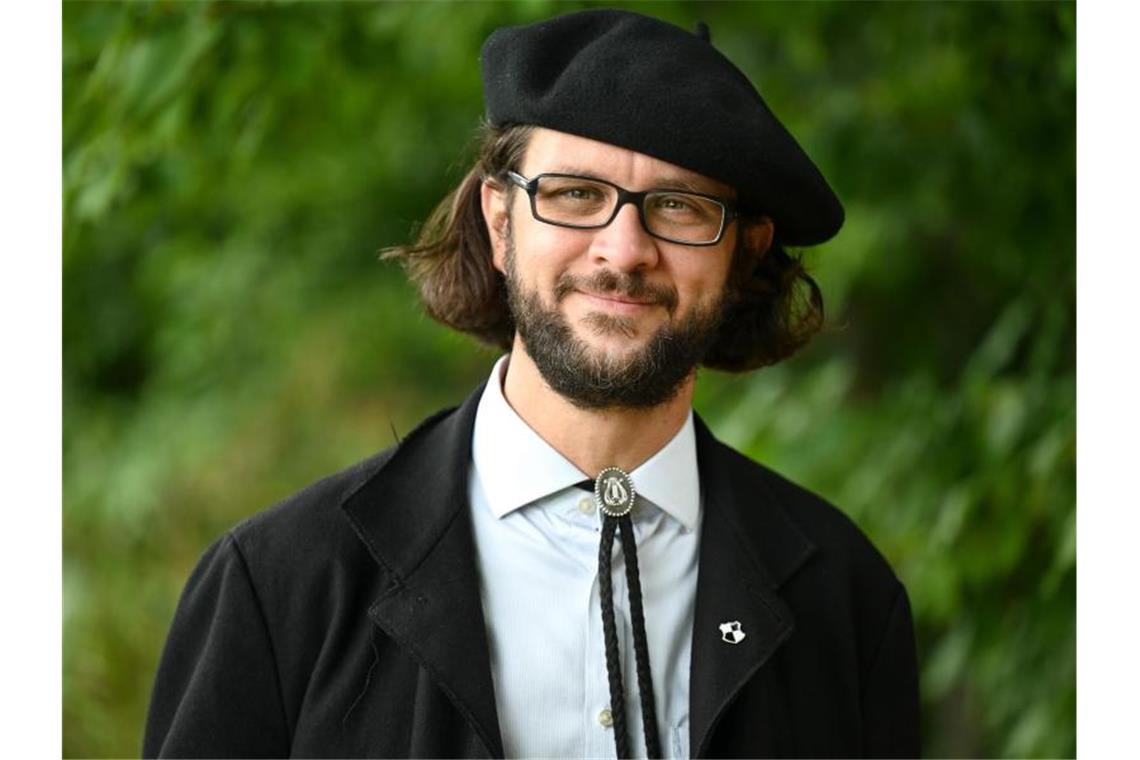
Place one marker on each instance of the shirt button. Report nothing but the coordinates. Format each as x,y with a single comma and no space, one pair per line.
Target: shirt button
606,718
586,506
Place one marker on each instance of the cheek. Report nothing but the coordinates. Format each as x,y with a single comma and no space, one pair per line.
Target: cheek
546,251
720,274
700,285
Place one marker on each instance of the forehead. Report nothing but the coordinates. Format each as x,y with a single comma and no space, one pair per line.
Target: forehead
551,151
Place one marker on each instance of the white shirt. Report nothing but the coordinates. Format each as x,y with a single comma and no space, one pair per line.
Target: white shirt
536,540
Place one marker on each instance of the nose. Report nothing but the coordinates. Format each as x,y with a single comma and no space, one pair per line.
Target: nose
624,244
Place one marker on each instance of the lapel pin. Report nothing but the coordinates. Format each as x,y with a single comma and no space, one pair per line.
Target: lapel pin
730,633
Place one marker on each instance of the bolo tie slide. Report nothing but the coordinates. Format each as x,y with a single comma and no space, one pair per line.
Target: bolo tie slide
615,496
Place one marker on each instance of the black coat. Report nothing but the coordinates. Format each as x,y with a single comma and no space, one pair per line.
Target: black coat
346,621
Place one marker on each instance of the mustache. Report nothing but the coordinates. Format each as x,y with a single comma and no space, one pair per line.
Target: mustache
621,284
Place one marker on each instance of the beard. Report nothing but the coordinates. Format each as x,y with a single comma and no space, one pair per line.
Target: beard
645,377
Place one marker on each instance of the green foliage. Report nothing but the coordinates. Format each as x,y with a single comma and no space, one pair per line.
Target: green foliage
231,169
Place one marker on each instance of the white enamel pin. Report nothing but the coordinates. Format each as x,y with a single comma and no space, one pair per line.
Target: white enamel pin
730,633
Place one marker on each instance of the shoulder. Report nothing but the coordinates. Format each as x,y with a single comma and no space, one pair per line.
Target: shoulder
313,517
836,546
309,517
828,526
306,537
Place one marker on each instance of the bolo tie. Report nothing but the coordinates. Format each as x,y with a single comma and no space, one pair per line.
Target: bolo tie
615,496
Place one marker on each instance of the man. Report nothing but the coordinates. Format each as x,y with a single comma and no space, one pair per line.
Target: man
461,594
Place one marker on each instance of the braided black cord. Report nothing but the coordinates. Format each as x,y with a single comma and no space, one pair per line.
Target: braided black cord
609,631
640,643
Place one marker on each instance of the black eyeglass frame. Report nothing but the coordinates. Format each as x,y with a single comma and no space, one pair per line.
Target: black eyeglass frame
623,197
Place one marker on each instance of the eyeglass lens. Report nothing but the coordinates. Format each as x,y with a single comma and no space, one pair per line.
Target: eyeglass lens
581,202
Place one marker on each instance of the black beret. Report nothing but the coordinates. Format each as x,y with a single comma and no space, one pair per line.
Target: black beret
642,84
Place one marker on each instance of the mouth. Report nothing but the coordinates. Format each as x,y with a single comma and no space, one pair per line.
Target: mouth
619,303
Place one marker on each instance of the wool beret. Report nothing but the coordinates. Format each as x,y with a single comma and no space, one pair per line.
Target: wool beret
640,83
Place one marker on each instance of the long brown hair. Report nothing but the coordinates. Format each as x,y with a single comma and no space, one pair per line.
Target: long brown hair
772,308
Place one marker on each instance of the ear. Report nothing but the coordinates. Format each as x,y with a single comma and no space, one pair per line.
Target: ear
758,236
496,215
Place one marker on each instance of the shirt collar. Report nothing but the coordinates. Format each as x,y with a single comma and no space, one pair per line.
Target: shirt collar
516,466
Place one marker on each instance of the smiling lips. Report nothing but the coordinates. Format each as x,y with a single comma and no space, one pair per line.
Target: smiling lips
617,292
619,303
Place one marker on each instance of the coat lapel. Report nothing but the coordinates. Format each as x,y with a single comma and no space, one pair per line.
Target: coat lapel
749,547
413,515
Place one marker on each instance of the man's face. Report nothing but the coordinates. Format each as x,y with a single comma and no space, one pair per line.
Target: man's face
610,316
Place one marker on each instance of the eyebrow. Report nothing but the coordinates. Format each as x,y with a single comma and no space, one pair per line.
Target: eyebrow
661,182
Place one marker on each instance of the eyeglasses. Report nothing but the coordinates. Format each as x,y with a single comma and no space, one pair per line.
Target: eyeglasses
586,203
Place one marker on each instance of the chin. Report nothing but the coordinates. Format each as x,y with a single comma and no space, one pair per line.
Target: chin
614,350
614,330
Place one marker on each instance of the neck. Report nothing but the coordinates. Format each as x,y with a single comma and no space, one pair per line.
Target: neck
592,439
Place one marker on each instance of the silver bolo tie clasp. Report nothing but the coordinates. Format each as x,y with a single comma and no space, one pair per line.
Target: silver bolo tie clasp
613,492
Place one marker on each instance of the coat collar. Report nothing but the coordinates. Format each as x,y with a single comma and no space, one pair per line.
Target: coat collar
414,517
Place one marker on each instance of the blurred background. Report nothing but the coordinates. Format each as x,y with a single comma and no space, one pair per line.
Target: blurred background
231,170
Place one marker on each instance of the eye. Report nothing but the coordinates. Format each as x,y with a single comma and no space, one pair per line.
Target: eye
571,191
681,207
572,195
580,192
675,203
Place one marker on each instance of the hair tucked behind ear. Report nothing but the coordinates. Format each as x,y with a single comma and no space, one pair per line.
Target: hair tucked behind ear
773,307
